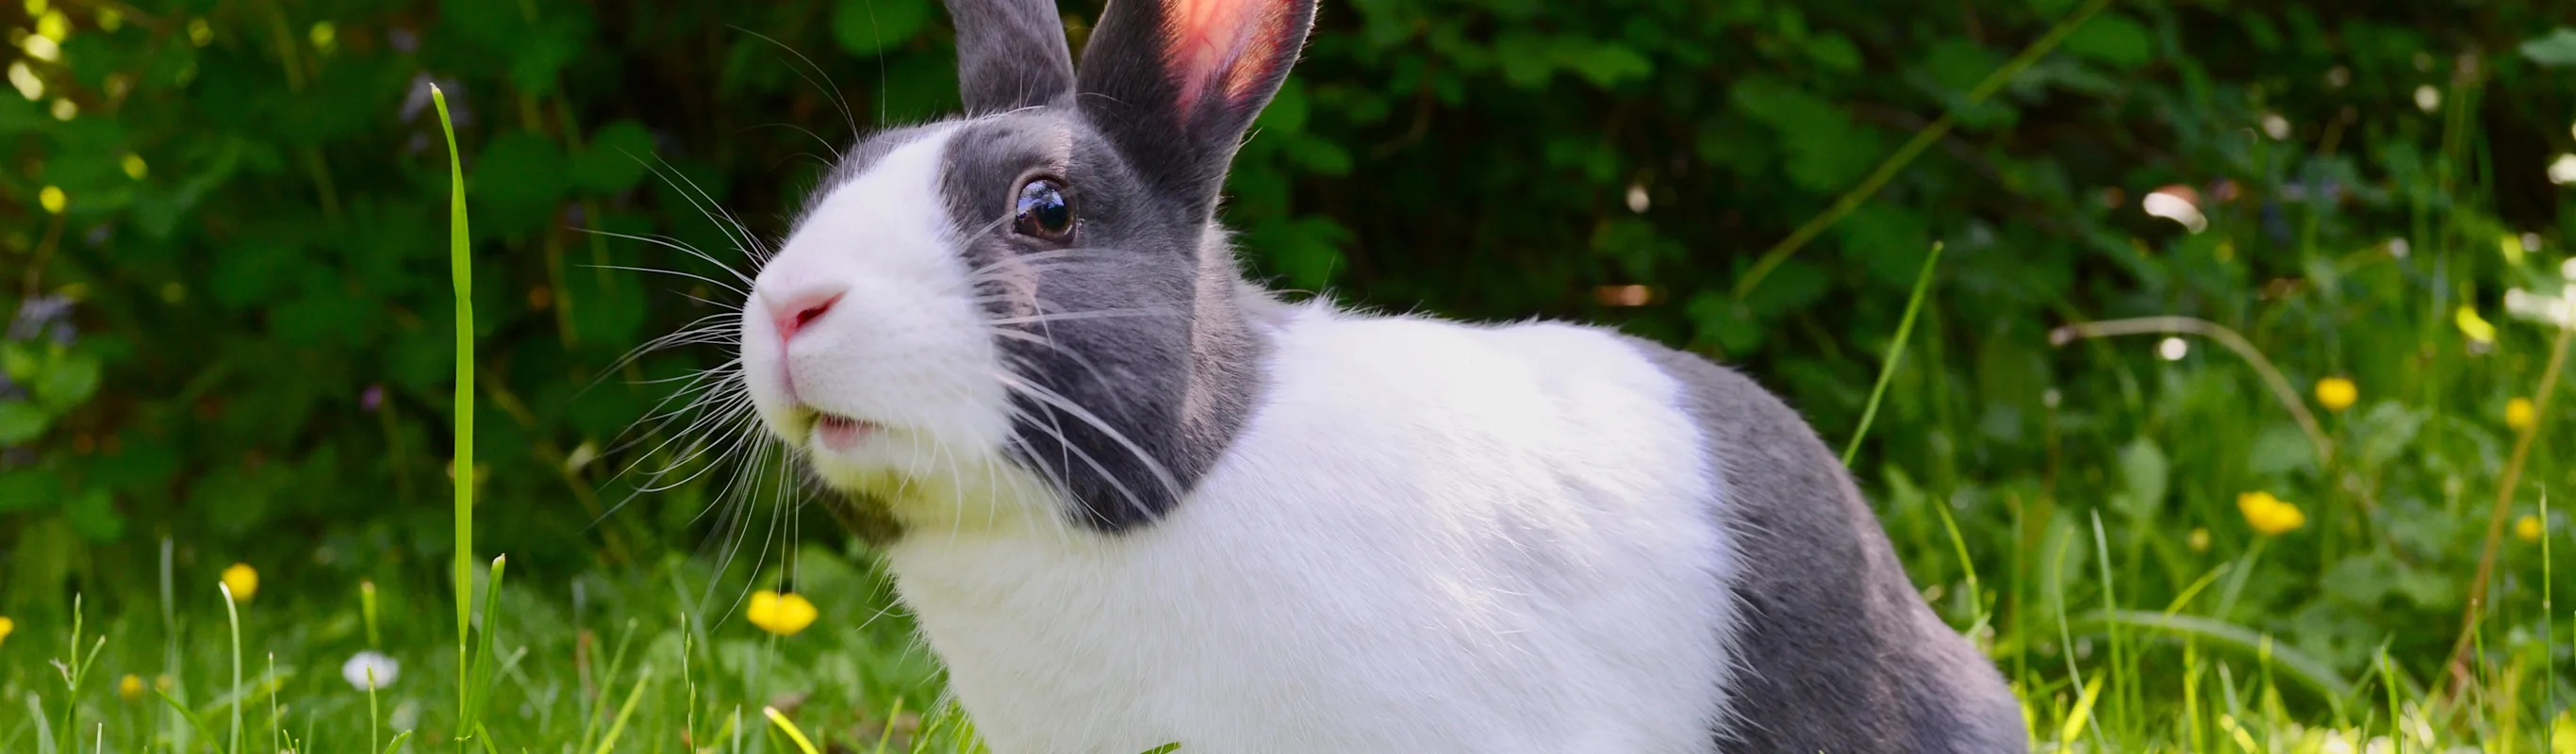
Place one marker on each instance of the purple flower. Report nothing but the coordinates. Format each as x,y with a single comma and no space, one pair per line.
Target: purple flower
36,316
417,101
372,397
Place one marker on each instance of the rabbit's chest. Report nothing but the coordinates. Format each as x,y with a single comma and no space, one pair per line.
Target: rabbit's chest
1497,559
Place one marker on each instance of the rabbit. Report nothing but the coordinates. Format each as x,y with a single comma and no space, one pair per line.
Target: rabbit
1133,498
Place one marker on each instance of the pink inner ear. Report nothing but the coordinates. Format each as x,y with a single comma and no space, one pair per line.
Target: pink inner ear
1229,43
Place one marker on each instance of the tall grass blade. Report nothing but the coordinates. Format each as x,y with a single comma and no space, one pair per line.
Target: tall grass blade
626,711
232,613
461,272
195,721
1895,352
2300,666
779,719
1904,155
44,735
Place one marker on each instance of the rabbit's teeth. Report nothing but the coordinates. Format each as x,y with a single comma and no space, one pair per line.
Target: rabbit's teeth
841,433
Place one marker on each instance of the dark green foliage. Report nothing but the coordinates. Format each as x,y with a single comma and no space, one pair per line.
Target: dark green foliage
240,336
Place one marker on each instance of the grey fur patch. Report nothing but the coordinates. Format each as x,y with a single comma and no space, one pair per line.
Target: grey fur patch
1837,652
1137,367
1011,54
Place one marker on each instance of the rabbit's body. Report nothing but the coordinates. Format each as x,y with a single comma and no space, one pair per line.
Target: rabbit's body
1135,500
1519,552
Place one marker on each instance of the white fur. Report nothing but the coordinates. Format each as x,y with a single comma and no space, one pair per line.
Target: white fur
1429,537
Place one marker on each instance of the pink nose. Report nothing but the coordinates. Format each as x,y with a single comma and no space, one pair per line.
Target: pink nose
792,312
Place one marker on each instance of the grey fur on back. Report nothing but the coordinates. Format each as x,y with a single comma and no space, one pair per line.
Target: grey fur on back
1838,653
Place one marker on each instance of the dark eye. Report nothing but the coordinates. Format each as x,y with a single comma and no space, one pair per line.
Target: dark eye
1042,211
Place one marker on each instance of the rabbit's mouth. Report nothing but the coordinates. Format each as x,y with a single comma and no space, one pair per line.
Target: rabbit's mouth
842,434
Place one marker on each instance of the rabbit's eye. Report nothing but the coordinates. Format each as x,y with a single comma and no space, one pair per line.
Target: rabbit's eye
1043,212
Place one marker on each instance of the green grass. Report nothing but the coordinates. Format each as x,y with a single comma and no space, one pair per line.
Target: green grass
2130,604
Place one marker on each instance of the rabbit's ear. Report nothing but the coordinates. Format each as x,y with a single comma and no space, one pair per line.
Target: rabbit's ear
1174,83
1011,54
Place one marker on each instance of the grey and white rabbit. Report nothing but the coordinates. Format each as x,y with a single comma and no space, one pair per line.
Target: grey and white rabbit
1134,499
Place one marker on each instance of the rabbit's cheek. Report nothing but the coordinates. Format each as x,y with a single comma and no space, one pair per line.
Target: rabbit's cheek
861,340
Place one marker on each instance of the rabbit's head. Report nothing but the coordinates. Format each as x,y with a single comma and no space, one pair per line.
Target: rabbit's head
1029,310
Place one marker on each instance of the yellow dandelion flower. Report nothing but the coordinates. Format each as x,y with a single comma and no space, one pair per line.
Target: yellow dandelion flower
52,199
2529,528
781,614
2337,393
2474,326
242,580
2519,413
131,687
52,24
134,167
6,626
2269,515
323,34
2199,539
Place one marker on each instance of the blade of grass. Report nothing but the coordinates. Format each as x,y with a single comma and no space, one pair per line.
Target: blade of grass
2522,443
793,734
2243,348
233,614
626,711
461,272
1895,163
2079,719
2300,666
397,744
170,638
1895,352
44,735
194,721
479,680
887,736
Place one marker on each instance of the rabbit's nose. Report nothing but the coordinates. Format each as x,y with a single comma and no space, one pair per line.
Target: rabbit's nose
798,308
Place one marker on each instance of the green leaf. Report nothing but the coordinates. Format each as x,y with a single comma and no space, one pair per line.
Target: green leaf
1834,52
535,60
2146,472
869,27
608,305
21,421
518,171
1608,64
1287,111
71,379
18,360
2280,449
2113,39
93,514
617,157
1728,323
1826,152
2556,49
29,489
